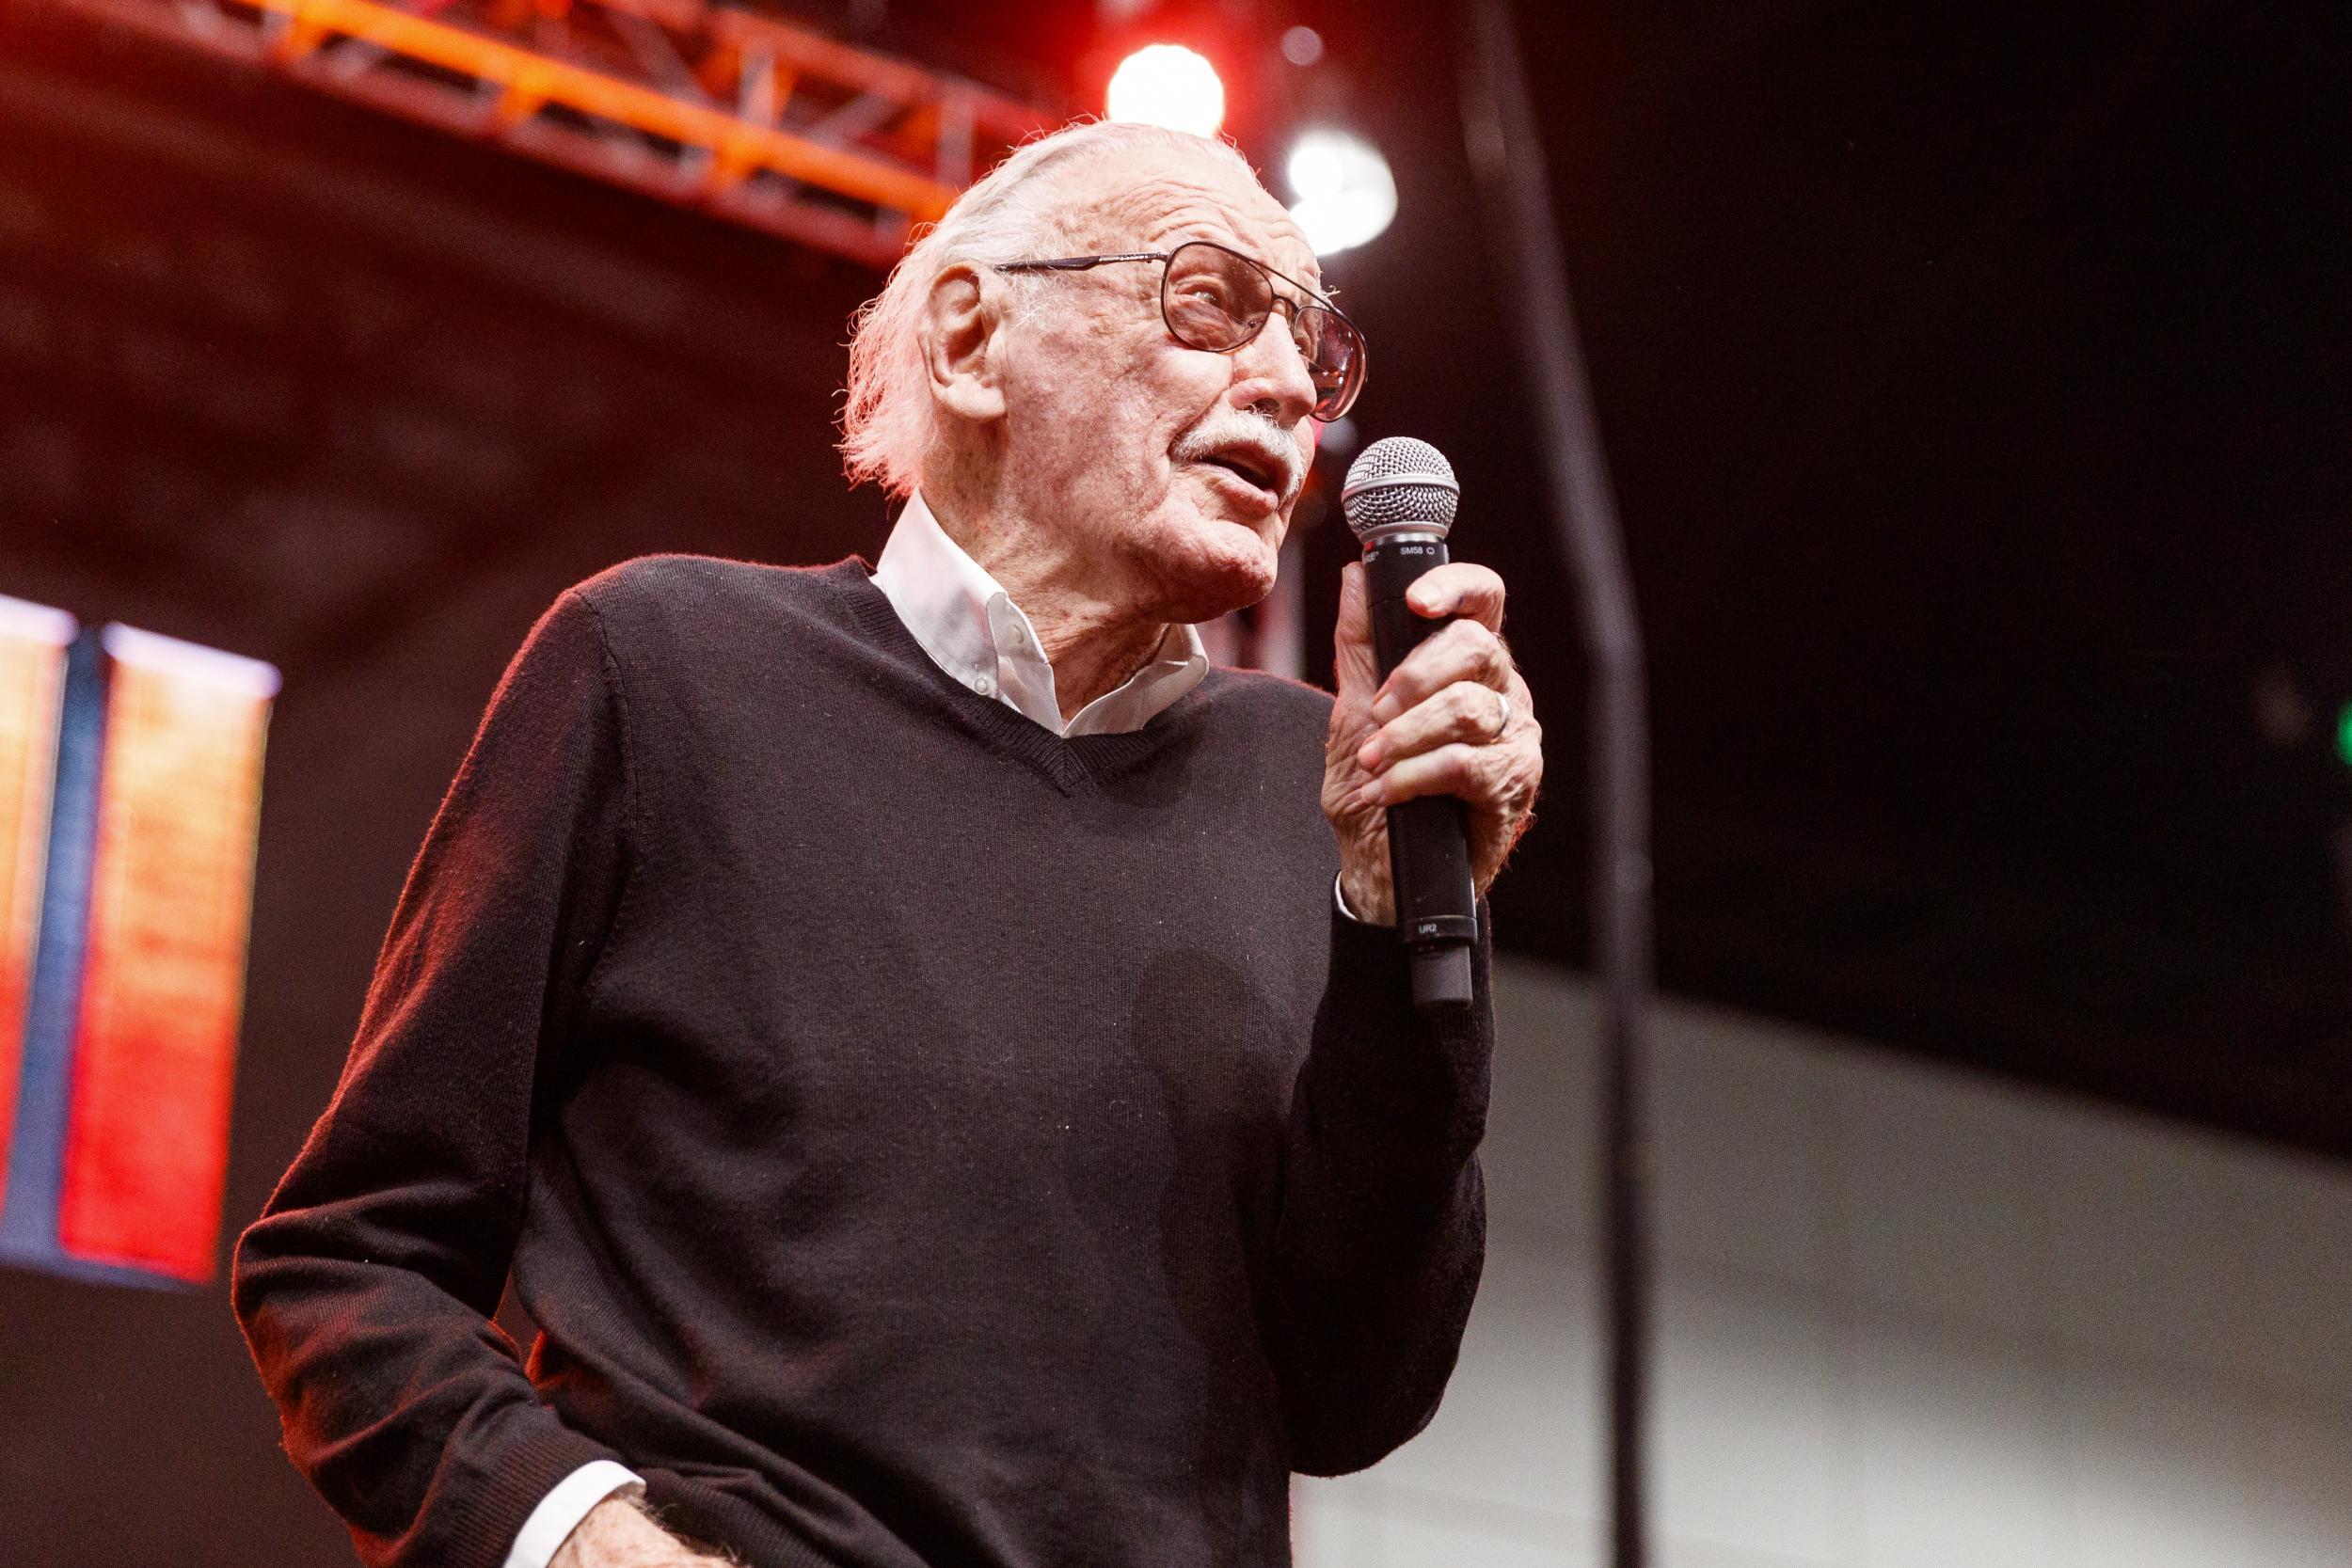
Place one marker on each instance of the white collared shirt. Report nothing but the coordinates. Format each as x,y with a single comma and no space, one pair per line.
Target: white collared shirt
972,630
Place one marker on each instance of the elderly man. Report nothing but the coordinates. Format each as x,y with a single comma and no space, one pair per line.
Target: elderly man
928,1048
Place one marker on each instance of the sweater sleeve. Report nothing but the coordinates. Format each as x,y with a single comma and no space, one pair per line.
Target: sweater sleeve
365,1289
1380,1229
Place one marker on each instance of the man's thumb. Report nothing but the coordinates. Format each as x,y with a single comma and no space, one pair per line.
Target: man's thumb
1353,663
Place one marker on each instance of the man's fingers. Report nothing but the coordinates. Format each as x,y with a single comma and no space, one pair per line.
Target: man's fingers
1464,651
1452,770
1435,726
1460,588
1466,711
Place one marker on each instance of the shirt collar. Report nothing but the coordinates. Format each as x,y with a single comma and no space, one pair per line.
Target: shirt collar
970,626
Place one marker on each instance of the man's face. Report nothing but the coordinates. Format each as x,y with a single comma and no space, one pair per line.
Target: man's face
1170,472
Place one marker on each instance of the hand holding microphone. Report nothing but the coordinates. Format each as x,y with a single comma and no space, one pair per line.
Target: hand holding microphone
1433,756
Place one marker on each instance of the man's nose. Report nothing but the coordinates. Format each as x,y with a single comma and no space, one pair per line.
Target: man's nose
1270,369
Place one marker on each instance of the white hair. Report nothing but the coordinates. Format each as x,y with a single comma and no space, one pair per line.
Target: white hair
1016,212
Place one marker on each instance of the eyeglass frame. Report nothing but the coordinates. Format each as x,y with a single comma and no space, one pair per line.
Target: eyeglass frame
1316,300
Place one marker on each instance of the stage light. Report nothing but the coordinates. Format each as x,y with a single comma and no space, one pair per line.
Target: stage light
2344,734
1166,84
1345,192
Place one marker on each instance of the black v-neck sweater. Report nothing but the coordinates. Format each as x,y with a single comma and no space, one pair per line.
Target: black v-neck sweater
924,1140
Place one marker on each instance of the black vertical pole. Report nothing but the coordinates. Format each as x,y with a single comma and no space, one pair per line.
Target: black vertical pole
1506,158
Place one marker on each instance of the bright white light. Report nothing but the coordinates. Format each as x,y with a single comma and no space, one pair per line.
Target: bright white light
1166,84
1345,194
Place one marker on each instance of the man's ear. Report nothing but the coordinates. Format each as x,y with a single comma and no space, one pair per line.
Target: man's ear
961,318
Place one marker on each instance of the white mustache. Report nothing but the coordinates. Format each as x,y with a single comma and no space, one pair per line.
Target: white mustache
1229,427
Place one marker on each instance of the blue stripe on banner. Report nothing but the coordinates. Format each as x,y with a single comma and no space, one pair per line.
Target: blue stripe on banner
28,1224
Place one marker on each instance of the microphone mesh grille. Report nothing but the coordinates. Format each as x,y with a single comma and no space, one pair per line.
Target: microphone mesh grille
1399,480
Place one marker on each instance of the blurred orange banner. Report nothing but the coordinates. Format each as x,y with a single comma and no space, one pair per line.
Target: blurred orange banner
154,1052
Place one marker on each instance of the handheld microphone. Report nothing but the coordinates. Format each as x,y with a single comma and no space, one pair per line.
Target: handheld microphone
1399,503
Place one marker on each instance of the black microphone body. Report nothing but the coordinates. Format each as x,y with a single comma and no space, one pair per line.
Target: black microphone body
1399,499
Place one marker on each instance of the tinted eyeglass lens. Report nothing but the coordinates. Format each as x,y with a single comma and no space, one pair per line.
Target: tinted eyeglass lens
1217,300
1333,357
1214,299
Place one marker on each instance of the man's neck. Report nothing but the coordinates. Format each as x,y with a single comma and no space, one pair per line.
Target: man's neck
1093,644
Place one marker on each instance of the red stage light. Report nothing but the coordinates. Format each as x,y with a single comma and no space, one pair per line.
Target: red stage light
1166,84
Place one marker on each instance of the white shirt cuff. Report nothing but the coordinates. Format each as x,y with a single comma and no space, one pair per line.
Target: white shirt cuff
1341,899
566,1505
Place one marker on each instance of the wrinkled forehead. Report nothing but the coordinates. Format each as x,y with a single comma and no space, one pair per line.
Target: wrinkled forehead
1156,200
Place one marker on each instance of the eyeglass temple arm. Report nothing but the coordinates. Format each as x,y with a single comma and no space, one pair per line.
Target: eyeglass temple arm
1080,264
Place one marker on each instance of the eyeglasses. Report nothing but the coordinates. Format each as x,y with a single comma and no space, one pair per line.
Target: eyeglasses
1218,300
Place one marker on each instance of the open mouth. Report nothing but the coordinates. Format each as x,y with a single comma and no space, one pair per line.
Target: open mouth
1253,469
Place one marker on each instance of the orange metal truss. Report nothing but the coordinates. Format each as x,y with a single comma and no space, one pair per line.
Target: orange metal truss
757,120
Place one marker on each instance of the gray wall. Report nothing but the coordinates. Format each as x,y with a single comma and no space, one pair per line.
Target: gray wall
1905,1318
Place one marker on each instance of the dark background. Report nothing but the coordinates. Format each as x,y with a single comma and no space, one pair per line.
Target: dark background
1975,382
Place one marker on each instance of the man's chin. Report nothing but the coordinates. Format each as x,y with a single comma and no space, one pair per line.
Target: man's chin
1232,569
1225,598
